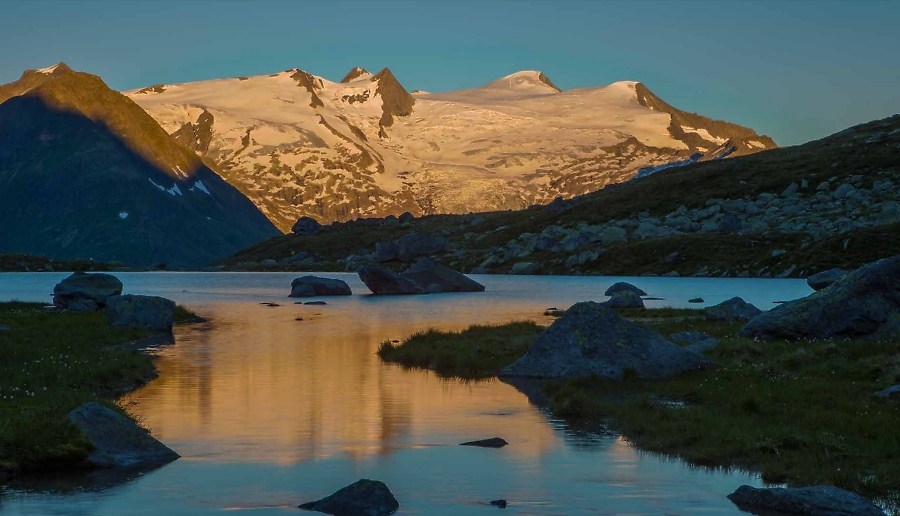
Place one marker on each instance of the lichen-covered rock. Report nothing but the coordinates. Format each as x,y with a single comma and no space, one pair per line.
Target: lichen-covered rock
825,278
117,441
733,310
308,286
695,341
428,272
149,312
621,286
385,282
811,501
591,339
864,303
85,291
361,498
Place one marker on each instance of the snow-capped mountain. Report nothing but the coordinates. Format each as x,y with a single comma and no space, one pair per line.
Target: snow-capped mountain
298,144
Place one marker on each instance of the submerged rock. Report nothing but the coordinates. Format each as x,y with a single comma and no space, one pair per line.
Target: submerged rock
621,286
499,503
361,498
150,312
117,441
428,272
864,303
816,500
591,339
85,291
825,279
625,299
385,282
319,287
733,310
493,442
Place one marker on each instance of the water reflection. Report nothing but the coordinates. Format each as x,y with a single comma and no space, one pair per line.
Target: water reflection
268,411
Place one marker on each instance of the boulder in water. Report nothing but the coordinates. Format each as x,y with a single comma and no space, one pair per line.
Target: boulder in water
149,312
361,498
815,500
85,291
117,441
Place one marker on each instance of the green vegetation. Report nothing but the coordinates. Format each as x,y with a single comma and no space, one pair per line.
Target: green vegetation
29,263
50,363
800,413
475,353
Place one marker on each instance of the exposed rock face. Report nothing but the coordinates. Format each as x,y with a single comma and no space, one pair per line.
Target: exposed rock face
411,246
149,312
623,287
85,291
864,303
696,341
493,442
361,498
811,501
319,287
733,310
117,441
427,272
625,299
592,340
890,392
385,282
306,226
825,278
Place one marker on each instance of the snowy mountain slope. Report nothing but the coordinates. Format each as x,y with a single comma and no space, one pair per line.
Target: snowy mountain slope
298,144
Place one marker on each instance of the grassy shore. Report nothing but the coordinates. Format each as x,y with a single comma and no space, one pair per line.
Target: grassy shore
50,363
800,413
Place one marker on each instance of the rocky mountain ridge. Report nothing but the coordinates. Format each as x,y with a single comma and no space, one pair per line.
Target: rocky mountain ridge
85,173
300,145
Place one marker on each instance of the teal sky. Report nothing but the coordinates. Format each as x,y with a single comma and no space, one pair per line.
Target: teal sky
794,69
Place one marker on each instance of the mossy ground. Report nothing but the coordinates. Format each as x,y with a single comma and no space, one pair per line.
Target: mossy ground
50,363
800,413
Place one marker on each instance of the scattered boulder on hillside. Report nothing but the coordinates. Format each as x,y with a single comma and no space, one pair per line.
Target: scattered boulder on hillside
590,339
306,226
864,303
493,442
85,291
363,498
825,278
149,312
890,392
613,234
4,327
385,282
308,286
525,268
406,217
625,299
427,272
815,500
733,310
117,441
411,246
623,287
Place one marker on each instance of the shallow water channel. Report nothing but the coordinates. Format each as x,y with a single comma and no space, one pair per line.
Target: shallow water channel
269,412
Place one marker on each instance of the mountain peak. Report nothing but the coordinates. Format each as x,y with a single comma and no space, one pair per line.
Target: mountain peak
526,80
395,99
355,73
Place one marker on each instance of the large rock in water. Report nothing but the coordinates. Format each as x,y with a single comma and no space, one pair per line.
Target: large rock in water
361,498
84,291
427,272
117,441
593,340
733,310
864,303
306,226
816,500
150,312
618,288
307,286
411,246
385,282
825,278
625,299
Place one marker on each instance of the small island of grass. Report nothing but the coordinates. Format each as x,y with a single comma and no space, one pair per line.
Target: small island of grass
800,413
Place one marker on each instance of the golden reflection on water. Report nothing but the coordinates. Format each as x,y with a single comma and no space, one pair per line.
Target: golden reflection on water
256,385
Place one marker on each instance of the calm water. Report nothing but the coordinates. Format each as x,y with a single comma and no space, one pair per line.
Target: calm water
269,412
